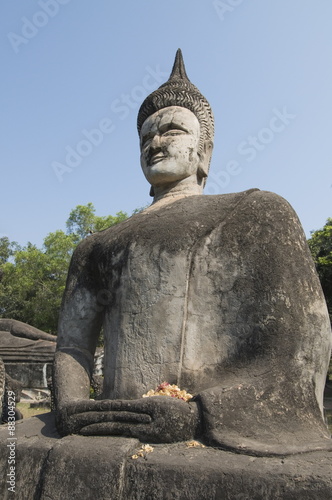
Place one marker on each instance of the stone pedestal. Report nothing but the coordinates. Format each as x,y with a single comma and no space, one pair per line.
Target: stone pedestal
75,467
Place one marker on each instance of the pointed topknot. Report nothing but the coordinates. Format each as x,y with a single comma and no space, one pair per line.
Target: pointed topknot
179,70
179,91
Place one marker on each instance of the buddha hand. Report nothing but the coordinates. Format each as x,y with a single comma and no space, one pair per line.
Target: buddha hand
159,419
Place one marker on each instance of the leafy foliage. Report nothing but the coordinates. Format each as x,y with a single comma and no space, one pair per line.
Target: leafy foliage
7,249
82,221
320,245
32,280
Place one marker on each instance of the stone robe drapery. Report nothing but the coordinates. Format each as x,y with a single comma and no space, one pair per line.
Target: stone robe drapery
219,295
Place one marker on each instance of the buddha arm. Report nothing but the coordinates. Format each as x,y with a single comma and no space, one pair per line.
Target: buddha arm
79,327
270,396
23,330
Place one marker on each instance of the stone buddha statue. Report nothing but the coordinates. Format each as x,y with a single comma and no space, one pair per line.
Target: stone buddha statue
217,294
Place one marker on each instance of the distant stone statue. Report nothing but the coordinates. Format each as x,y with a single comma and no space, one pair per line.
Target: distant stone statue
25,354
217,294
23,330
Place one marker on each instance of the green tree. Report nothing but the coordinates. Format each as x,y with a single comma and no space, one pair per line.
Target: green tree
32,280
82,221
7,249
320,245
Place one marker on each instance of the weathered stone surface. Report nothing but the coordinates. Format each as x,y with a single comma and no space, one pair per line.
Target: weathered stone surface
23,330
176,472
33,440
27,352
86,468
217,294
76,467
220,307
15,348
158,165
31,374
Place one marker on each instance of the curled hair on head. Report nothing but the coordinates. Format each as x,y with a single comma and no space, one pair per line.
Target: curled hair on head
179,91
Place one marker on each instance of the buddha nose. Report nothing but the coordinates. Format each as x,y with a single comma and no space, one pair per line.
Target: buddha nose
155,143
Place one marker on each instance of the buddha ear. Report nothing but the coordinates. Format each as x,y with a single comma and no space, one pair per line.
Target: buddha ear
205,158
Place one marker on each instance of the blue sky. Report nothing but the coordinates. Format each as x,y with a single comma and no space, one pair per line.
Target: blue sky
74,73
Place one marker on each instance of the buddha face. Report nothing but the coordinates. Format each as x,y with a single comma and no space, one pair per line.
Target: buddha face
169,145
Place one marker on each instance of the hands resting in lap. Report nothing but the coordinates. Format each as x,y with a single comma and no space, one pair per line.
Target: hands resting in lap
160,419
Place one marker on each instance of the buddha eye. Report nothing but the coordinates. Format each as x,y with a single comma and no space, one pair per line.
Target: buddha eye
146,142
173,132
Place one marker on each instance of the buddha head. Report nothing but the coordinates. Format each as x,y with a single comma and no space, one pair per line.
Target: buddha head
175,125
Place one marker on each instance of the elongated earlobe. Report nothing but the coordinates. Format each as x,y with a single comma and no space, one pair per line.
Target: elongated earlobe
205,159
